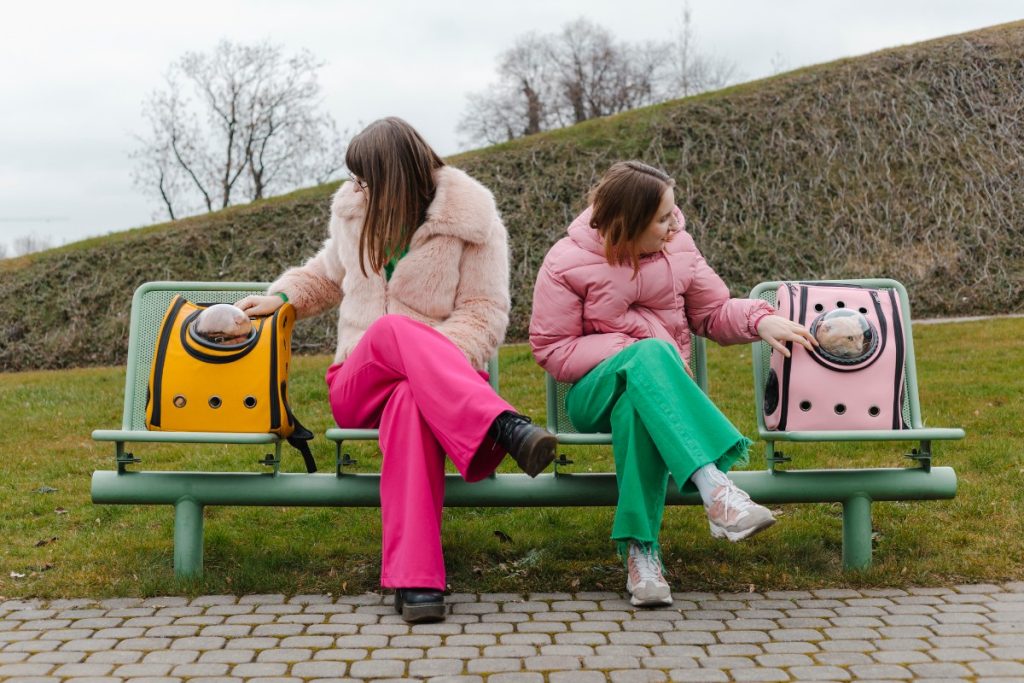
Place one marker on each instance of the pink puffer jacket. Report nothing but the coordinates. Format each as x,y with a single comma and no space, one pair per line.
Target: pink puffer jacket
585,310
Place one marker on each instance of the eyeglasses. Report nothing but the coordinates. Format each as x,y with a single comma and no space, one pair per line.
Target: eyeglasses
360,183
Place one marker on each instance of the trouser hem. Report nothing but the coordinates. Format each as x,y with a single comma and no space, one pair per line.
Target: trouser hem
432,583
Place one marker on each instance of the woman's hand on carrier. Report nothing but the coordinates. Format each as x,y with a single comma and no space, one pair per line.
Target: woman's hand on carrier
777,330
256,305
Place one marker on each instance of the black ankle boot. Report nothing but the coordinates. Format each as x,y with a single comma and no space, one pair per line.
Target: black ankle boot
532,447
419,605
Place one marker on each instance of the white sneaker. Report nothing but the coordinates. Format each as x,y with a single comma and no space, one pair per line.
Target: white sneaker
734,516
646,585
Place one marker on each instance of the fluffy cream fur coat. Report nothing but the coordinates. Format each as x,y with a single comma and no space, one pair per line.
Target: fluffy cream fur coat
454,277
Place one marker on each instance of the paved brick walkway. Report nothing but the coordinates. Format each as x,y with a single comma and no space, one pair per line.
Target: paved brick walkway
971,633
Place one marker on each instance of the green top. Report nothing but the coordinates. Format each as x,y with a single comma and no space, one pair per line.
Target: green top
389,267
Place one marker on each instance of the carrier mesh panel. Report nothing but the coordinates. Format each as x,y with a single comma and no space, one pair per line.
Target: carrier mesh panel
151,312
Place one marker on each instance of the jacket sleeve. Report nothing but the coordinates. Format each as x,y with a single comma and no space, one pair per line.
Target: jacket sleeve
556,330
479,318
315,286
711,313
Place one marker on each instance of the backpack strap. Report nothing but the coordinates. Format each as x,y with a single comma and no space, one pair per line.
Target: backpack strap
299,440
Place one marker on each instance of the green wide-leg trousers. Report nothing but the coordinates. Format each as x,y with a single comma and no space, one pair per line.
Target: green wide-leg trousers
661,423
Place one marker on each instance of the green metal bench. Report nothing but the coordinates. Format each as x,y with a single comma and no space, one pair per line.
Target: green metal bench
855,489
190,492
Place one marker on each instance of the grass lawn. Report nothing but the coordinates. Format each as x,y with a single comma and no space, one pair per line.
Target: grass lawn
56,543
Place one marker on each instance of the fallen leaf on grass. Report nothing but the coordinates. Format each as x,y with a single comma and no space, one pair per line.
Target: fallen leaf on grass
61,511
45,541
45,489
16,575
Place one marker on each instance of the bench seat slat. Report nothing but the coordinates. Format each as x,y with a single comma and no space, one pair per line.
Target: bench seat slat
923,434
143,436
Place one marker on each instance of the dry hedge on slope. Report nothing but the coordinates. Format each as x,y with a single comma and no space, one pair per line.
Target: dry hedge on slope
903,164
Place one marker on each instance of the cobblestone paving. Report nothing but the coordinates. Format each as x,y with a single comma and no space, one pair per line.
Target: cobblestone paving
962,633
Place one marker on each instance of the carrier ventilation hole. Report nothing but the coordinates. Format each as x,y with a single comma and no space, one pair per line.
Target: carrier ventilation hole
840,408
249,402
819,308
214,401
874,411
179,401
805,405
863,311
840,304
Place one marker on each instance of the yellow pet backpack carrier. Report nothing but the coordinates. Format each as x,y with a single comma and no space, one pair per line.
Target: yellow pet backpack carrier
196,385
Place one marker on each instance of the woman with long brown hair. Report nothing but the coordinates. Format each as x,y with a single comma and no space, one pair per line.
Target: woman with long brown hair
417,267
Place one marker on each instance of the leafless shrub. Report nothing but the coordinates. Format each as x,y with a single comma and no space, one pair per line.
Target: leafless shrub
29,244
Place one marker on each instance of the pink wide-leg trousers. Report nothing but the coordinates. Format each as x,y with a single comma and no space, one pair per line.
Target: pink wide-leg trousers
417,387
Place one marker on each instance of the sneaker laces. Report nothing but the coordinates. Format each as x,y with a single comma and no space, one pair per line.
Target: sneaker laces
733,498
645,563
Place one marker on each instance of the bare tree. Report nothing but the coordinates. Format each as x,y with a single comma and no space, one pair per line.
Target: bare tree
692,71
239,121
597,76
521,102
579,73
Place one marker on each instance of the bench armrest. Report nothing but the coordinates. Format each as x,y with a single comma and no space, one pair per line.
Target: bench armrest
344,434
143,436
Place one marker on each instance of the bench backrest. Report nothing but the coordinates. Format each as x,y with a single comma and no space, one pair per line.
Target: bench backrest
762,352
558,420
149,304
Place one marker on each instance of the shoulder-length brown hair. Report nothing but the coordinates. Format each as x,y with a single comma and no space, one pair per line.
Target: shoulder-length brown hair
397,165
625,201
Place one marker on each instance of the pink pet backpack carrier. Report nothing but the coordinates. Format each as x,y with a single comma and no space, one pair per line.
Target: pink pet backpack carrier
854,379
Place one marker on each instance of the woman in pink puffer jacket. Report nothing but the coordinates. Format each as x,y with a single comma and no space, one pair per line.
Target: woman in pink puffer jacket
613,309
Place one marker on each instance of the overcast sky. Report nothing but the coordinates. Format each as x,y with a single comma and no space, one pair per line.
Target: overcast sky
73,75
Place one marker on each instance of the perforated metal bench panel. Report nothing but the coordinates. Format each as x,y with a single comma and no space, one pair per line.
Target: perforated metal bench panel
149,304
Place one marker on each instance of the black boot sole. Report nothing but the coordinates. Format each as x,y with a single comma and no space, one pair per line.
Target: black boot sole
423,613
537,452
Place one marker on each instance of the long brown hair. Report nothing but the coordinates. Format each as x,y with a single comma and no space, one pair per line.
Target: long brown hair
625,201
397,165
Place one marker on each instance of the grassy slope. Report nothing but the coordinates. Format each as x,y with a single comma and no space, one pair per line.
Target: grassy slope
127,550
903,163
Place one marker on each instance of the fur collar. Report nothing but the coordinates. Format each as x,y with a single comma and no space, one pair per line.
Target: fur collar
462,207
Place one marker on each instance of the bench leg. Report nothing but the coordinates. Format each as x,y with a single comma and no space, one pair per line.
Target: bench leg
857,533
188,539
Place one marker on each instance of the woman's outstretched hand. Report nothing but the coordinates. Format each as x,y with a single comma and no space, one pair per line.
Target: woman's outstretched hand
777,330
256,305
